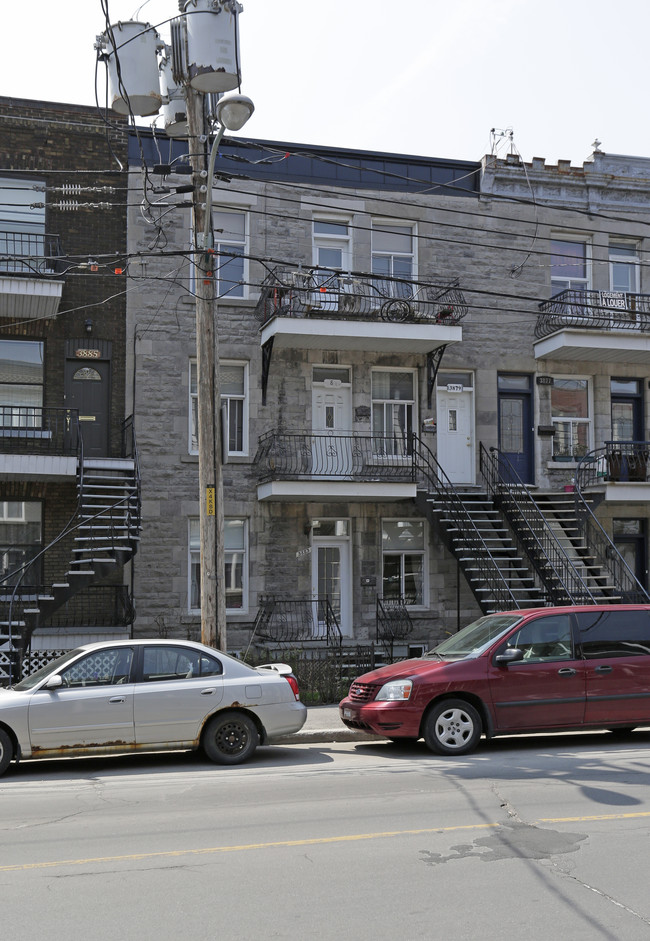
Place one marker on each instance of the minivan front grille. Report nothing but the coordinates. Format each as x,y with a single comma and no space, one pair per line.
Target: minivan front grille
363,692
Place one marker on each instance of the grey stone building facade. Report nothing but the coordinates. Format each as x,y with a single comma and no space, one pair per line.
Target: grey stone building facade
391,364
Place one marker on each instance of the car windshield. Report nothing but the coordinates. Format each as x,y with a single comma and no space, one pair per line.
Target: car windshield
472,640
29,682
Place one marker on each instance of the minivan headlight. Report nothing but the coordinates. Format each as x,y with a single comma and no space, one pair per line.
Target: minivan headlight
394,691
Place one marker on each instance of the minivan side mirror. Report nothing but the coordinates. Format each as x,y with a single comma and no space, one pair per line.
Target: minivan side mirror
509,655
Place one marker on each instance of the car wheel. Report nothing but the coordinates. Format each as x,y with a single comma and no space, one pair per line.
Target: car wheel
6,751
230,738
452,727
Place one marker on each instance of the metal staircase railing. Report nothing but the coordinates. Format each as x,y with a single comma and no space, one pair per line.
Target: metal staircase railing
592,470
19,632
490,585
560,575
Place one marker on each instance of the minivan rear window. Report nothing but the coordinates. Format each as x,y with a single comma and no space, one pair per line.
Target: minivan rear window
614,633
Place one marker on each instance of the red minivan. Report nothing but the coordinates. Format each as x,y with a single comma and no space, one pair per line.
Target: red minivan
535,670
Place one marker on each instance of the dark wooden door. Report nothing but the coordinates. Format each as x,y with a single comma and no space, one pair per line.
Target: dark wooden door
87,388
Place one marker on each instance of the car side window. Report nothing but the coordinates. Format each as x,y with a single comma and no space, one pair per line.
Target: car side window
545,638
100,668
177,663
614,633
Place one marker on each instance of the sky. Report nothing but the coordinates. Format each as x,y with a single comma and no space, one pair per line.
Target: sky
422,77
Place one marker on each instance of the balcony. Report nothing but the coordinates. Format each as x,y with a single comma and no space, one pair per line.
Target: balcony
330,467
38,443
621,468
327,310
29,265
598,326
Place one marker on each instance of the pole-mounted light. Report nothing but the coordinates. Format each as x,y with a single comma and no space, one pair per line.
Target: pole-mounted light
233,111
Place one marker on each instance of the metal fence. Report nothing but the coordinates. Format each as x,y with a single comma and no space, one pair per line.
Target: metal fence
594,310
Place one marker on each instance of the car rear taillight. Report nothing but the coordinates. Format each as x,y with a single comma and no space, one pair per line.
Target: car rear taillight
293,683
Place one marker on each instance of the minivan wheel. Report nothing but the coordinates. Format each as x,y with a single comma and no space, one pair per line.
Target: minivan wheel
6,751
452,727
230,738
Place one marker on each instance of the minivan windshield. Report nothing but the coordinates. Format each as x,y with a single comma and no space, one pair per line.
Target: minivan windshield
472,640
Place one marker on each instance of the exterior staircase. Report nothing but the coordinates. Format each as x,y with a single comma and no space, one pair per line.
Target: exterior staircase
104,535
475,532
574,558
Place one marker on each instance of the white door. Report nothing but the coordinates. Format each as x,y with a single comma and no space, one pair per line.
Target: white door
455,423
330,579
331,423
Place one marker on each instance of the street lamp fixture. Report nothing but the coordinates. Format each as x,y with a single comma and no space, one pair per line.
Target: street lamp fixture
233,111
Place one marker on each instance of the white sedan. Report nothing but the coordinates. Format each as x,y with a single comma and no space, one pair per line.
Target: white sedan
147,695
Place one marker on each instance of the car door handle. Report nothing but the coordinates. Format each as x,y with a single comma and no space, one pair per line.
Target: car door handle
566,671
207,692
117,699
603,669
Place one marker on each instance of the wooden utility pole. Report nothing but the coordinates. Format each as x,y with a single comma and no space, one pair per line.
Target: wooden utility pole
212,565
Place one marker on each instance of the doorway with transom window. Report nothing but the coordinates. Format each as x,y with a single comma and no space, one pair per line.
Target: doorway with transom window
331,447
331,580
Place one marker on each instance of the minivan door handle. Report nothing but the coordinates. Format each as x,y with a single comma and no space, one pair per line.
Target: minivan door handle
566,671
603,669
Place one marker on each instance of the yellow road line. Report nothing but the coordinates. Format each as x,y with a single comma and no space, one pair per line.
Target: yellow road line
351,838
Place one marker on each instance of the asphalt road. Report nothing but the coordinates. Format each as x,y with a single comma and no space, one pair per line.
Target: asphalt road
526,838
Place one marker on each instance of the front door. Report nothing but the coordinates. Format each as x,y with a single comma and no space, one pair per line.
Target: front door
87,388
331,581
627,410
516,425
455,413
331,422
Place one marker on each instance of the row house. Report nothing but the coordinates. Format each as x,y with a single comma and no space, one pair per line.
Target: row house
69,498
432,383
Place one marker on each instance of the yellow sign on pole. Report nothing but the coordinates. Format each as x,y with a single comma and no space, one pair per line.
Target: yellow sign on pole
210,501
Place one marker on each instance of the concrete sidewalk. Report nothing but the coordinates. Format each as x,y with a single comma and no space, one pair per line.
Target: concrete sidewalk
324,725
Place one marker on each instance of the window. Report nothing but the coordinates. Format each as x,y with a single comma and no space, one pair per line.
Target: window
403,561
233,378
569,266
107,667
236,564
393,404
22,229
331,245
547,638
393,257
20,541
570,415
614,634
623,268
177,663
230,246
21,384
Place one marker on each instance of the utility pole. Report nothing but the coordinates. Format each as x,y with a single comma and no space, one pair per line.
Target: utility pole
211,513
203,59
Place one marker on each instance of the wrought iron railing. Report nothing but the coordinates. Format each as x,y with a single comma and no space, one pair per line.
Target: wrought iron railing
296,620
30,429
318,292
94,606
593,310
562,576
593,470
352,456
491,585
31,253
393,620
616,462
